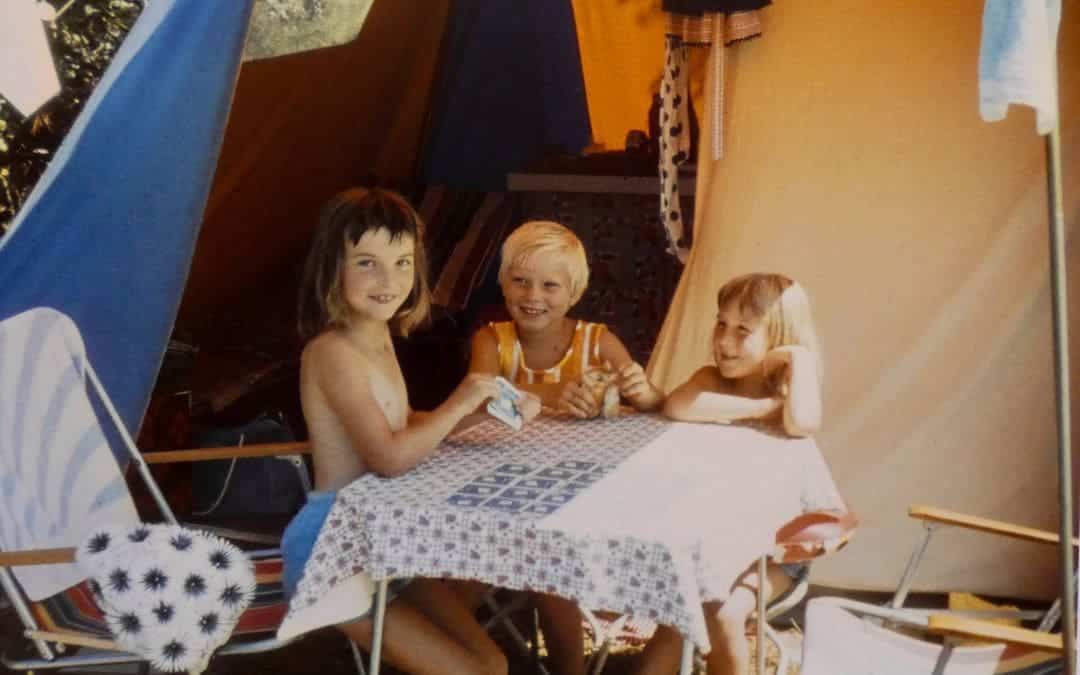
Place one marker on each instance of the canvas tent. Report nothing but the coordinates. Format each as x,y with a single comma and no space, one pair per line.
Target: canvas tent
863,169
856,162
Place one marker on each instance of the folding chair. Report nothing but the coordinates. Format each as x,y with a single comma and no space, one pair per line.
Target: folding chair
606,633
846,637
934,518
804,538
800,541
60,475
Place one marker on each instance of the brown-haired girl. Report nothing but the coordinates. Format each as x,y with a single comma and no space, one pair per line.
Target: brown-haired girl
364,279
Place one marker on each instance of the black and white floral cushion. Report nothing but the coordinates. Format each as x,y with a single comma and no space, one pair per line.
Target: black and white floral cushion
169,594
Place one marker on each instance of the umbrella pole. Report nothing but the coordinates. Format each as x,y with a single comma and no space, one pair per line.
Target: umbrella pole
1058,284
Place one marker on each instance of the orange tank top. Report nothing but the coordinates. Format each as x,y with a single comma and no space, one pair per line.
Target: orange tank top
583,354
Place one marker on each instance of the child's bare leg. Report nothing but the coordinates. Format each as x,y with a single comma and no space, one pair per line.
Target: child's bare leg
730,653
471,592
662,654
416,643
441,602
560,619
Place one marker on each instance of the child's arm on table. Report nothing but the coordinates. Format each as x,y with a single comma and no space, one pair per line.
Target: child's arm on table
344,380
484,360
802,398
634,384
702,399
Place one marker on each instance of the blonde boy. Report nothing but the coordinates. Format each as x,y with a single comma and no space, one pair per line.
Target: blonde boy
544,273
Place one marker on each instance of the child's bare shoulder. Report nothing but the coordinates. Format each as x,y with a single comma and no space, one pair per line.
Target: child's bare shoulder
484,357
321,348
330,352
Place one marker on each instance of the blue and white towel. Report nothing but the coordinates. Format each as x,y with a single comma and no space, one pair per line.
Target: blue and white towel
1018,59
58,474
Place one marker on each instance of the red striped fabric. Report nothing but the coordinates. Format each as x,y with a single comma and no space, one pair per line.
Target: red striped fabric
76,611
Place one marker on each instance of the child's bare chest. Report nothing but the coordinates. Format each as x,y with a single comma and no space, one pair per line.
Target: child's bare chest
389,390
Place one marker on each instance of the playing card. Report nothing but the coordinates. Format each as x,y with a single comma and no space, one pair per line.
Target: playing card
508,390
506,412
503,408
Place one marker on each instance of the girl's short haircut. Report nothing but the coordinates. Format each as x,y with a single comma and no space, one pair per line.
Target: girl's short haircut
544,237
344,219
781,303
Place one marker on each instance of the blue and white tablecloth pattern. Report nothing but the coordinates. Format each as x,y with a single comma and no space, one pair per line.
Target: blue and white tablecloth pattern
635,514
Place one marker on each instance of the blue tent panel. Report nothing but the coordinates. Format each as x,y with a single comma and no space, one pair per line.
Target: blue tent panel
108,234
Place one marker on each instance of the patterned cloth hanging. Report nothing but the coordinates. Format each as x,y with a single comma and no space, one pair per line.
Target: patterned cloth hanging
694,23
674,142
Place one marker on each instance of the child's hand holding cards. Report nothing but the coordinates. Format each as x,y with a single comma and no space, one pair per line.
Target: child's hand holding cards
504,408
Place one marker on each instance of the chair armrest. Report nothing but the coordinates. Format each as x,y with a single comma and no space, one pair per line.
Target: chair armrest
947,624
813,534
240,451
946,517
233,534
37,556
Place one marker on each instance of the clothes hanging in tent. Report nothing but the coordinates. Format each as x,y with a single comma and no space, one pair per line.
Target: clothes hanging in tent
688,26
674,142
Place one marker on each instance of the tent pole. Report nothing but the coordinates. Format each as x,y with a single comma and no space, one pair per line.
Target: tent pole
1058,284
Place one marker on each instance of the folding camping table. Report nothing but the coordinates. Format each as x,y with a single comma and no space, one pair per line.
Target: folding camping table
635,514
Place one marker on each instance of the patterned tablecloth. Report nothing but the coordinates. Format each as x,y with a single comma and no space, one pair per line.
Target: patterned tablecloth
636,514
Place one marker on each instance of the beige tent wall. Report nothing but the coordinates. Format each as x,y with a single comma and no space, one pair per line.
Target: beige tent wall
858,164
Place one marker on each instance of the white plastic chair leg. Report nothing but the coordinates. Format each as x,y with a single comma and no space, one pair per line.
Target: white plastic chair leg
762,572
377,632
686,663
774,637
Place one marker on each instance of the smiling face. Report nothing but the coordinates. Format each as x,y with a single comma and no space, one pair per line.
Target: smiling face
378,274
537,292
740,342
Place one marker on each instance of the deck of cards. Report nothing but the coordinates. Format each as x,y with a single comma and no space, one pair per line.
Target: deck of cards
504,408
